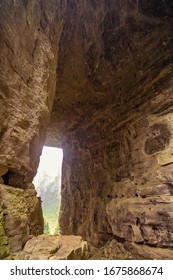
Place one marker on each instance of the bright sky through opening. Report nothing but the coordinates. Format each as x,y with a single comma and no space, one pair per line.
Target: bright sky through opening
50,161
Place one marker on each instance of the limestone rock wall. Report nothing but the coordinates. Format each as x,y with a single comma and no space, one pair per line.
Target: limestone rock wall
29,34
15,215
35,214
118,179
22,215
118,53
117,168
106,68
4,242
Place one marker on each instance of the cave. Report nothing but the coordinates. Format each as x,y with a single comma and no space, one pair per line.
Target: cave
95,78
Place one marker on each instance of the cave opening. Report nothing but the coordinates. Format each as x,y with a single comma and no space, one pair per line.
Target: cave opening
48,186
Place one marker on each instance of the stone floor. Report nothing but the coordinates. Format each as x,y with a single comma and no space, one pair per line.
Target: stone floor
114,250
64,247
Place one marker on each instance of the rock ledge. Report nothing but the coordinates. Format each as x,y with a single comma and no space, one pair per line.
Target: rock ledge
54,247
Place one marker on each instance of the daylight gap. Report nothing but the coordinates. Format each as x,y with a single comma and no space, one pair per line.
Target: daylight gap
48,186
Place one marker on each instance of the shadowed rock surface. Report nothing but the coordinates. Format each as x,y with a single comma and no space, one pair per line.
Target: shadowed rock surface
95,78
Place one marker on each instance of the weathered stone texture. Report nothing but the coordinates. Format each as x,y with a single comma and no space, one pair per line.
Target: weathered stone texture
35,215
113,171
21,215
29,35
28,59
111,64
117,168
117,55
114,250
47,247
15,215
4,242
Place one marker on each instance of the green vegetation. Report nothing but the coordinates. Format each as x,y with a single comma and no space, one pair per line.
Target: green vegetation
46,227
50,213
4,246
56,230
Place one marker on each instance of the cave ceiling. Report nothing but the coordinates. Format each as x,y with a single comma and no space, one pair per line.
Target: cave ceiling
110,53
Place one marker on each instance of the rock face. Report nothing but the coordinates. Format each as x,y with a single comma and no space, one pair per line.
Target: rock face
21,215
104,71
15,217
114,250
133,186
28,60
35,215
4,242
47,247
118,154
29,36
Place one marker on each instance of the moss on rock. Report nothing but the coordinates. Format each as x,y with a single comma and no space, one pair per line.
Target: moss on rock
4,244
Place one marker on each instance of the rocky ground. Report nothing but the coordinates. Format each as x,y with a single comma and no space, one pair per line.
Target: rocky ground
54,247
57,247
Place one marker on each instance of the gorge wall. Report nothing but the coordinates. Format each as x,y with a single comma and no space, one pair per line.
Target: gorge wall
29,34
98,77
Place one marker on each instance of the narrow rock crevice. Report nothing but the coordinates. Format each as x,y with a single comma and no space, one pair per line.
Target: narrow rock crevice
96,79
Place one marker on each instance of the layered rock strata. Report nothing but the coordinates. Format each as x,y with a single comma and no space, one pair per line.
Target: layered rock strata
106,69
114,250
29,34
117,168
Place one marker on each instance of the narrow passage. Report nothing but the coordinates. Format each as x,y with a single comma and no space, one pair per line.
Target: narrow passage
48,186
